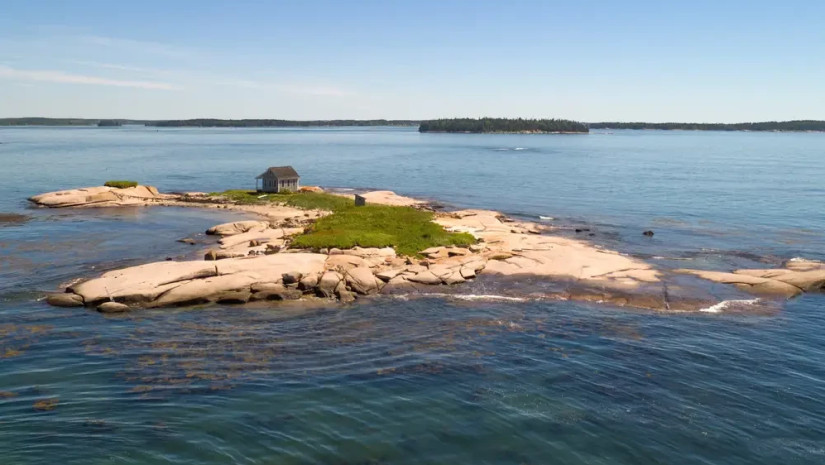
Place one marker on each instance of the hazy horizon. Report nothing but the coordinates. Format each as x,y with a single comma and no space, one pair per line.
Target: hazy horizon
392,119
638,61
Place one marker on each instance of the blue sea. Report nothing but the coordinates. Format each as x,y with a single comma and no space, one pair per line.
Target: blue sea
425,380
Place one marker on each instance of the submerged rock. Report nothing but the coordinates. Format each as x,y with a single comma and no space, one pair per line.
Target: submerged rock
112,307
8,219
65,299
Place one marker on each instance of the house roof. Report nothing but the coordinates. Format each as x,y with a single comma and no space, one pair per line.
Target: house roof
282,172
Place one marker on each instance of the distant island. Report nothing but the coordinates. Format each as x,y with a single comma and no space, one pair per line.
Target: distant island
36,121
503,126
456,125
204,122
797,126
275,123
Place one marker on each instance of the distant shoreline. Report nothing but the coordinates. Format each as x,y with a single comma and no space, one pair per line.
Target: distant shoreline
455,125
765,126
504,132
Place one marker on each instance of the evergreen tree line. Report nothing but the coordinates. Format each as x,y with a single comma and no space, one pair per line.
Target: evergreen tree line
487,125
275,123
801,125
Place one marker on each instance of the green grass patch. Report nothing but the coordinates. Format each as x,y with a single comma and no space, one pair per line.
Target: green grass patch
120,184
303,200
406,229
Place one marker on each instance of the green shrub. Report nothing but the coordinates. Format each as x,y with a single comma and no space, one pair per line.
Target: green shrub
120,184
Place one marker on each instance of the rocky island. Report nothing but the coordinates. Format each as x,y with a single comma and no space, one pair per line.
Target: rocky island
319,245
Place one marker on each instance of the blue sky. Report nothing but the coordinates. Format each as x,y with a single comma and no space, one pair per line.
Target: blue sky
721,61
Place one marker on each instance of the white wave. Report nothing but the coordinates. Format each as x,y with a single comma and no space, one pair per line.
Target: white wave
727,303
546,218
486,297
470,297
520,148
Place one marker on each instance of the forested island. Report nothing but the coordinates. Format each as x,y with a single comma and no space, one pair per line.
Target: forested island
799,125
275,123
503,125
203,122
107,123
36,121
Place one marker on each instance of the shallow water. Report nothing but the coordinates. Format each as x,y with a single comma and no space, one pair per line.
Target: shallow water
430,380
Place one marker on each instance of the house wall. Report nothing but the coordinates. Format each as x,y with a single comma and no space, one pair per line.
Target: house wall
273,184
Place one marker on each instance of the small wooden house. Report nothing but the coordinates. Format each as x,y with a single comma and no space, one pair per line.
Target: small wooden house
278,179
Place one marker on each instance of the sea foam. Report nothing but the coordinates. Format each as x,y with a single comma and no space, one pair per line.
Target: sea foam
727,303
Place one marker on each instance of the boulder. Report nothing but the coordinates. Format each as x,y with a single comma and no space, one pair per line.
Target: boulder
267,287
269,268
370,252
415,268
500,256
112,307
454,278
187,240
65,299
232,297
801,264
67,198
425,277
467,272
808,281
746,282
435,252
200,291
309,282
222,255
345,296
328,283
387,275
345,262
457,251
238,227
265,236
441,271
292,277
144,283
268,291
362,281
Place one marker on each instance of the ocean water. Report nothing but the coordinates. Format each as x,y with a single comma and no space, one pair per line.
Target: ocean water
429,380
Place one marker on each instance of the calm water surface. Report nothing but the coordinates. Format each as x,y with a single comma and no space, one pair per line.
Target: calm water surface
423,380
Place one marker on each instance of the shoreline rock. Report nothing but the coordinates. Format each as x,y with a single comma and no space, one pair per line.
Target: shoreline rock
253,262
